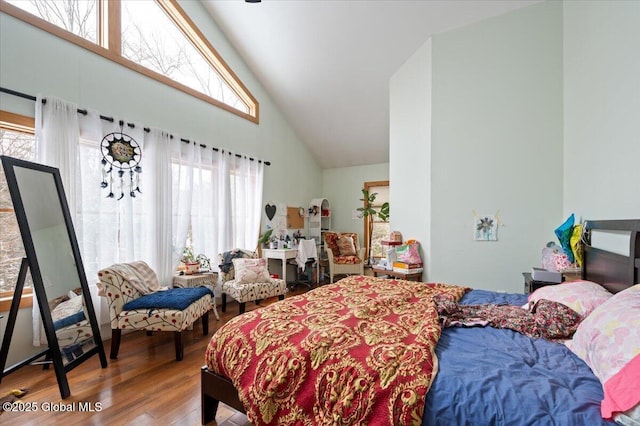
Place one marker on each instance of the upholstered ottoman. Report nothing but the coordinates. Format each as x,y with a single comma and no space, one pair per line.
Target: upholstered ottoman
248,280
252,292
175,309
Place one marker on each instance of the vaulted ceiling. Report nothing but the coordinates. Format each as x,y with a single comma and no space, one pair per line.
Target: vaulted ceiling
327,64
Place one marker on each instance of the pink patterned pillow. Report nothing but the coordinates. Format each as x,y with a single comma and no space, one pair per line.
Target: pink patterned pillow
581,296
610,336
608,340
622,392
248,271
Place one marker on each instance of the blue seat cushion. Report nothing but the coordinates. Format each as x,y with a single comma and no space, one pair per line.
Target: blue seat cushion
174,298
67,321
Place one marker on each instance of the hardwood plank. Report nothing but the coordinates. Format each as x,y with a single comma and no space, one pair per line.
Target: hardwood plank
144,386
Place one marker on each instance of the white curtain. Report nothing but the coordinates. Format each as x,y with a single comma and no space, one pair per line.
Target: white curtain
209,224
184,187
57,136
182,171
131,228
110,230
226,212
157,205
227,203
246,178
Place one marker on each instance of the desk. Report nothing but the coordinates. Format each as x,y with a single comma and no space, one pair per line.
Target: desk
417,276
283,255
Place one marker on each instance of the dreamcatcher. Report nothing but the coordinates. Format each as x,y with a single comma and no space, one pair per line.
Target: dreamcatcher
121,154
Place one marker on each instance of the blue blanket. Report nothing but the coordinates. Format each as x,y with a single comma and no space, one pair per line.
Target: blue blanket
67,321
174,298
489,376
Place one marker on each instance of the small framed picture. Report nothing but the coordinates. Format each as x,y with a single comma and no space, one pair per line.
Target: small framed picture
485,228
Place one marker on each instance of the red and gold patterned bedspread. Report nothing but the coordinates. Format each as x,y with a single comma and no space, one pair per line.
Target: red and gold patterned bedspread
360,351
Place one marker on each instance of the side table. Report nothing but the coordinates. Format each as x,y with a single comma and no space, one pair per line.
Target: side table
531,285
208,279
415,276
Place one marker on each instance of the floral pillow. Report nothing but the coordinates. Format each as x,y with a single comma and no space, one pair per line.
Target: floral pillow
581,296
346,245
248,271
331,240
609,339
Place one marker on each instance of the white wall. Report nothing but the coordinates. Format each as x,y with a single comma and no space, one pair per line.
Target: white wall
343,188
33,61
410,150
602,109
495,142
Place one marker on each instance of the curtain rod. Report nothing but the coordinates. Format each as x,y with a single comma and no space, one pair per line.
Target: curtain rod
121,122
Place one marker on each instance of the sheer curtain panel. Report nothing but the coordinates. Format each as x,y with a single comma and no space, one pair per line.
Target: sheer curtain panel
213,196
57,136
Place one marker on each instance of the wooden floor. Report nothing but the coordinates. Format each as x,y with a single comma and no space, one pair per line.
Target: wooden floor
144,386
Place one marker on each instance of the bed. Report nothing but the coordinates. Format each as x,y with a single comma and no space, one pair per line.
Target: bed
477,375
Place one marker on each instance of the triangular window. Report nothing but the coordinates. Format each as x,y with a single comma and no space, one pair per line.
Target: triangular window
155,38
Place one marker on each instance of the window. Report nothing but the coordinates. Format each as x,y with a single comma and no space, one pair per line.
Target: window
16,140
380,230
79,17
155,38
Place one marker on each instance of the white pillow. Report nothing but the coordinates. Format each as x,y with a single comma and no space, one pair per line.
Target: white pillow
248,271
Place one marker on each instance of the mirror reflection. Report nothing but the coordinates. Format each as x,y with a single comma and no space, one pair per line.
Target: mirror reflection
56,261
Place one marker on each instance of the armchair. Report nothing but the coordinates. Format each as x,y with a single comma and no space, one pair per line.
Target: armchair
344,253
246,278
136,302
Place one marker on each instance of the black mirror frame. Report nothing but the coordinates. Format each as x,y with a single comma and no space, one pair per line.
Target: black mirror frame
53,352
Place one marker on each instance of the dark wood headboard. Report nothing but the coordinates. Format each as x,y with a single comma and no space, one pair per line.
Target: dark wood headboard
613,271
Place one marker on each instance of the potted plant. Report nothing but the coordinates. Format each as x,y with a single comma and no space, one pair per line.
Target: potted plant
264,239
369,211
191,264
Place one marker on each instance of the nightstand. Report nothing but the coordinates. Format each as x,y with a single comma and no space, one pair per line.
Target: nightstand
571,276
530,285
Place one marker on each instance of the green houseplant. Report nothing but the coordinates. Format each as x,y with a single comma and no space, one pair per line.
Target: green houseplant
191,263
369,212
263,239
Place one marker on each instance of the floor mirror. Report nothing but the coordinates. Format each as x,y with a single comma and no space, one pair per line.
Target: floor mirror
59,281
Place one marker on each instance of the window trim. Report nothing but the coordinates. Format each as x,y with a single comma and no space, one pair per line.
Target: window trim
111,32
17,122
6,299
368,186
24,124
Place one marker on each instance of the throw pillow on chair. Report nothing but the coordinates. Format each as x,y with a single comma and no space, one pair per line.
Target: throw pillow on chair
251,283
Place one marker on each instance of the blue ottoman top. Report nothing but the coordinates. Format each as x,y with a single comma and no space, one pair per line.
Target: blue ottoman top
174,298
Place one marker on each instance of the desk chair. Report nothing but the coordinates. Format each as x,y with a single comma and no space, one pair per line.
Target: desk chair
306,259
